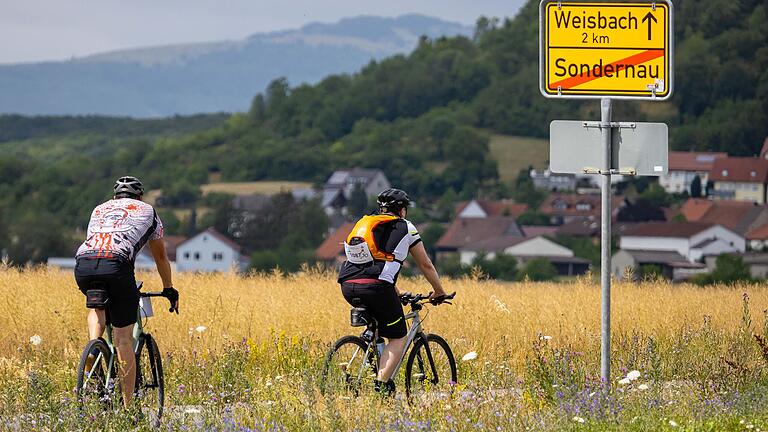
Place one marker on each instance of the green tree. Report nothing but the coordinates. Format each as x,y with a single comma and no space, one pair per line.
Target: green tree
729,269
696,187
539,269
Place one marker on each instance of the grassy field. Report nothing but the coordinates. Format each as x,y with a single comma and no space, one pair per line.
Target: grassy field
251,188
516,153
245,354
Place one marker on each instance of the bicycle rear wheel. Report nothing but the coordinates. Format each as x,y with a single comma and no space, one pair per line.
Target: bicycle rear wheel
94,382
430,372
150,385
350,366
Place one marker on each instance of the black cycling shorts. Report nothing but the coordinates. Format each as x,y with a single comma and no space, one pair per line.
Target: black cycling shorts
382,302
116,276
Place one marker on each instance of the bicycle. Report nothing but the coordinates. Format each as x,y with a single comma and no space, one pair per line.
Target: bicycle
352,362
98,383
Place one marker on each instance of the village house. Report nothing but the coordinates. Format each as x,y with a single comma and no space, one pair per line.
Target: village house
740,178
338,189
491,236
677,249
210,251
564,208
685,166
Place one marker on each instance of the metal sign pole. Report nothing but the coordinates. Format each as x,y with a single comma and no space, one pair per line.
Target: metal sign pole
605,239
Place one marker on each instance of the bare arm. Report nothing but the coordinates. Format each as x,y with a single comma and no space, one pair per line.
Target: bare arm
157,247
419,254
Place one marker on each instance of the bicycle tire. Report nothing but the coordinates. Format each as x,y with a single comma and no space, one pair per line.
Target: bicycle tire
423,380
150,382
344,380
92,385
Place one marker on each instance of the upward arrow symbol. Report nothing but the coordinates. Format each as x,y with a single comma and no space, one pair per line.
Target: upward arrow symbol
649,17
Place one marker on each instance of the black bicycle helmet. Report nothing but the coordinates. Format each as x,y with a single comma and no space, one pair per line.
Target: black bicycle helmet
129,185
392,200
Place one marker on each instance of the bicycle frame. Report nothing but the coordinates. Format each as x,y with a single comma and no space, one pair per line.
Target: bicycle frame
415,331
138,330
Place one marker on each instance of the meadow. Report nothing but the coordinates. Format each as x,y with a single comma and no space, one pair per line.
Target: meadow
245,354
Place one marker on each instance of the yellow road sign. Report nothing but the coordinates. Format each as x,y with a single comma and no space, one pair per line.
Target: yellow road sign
595,50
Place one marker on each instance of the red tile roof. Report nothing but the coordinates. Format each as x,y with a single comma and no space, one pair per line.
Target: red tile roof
496,208
737,216
469,230
740,169
667,229
759,233
333,246
693,161
695,208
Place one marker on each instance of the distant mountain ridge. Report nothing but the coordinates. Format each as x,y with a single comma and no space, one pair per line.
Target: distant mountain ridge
209,76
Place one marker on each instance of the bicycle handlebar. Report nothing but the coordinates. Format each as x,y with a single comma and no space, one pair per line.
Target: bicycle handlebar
159,294
412,299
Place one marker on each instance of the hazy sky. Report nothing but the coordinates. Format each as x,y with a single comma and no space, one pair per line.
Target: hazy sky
34,30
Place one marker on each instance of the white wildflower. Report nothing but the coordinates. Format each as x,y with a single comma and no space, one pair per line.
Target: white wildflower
749,426
643,387
469,356
633,375
673,423
624,381
201,329
192,411
35,340
546,338
578,419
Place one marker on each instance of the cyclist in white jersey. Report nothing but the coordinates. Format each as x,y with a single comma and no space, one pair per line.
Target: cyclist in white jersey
104,271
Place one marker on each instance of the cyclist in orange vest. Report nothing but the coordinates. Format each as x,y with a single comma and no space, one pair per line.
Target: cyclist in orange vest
375,250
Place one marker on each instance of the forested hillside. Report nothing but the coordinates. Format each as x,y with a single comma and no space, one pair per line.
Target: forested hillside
423,118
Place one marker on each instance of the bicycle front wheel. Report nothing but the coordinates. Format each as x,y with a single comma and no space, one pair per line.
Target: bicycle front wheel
350,366
150,385
431,369
95,382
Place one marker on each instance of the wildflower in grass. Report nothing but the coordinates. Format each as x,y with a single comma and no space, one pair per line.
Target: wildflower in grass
545,337
201,329
643,387
633,375
192,411
673,423
35,340
578,419
469,356
624,381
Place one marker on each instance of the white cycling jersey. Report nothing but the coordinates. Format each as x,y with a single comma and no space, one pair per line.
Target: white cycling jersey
120,227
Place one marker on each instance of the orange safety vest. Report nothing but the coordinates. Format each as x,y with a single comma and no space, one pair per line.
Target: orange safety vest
363,230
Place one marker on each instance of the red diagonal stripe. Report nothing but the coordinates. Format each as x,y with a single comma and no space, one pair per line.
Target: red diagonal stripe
632,60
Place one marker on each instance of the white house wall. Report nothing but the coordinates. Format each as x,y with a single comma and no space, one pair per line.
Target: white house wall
205,245
720,232
679,245
713,249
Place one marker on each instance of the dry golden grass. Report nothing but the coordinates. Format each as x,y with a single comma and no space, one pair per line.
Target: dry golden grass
47,303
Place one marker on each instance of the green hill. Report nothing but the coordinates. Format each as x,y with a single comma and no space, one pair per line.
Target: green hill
513,154
426,119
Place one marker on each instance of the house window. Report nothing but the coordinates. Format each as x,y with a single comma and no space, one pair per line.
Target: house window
560,205
218,256
725,173
583,207
197,256
186,255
